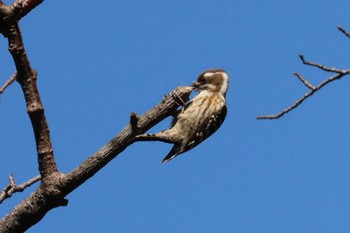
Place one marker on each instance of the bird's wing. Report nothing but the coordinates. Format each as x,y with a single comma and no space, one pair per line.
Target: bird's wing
209,127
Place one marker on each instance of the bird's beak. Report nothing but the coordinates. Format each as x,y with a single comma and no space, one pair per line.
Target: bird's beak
196,84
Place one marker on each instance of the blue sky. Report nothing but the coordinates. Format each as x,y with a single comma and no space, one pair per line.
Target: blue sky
98,62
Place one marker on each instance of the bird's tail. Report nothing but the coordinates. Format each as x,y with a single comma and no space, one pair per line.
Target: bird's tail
175,151
163,136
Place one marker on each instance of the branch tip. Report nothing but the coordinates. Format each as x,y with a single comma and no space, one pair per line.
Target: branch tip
339,74
12,188
320,66
8,82
134,118
63,202
306,96
12,180
304,81
346,33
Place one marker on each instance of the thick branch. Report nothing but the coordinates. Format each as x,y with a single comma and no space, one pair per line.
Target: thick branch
339,75
26,77
27,6
34,208
94,163
12,188
10,14
55,186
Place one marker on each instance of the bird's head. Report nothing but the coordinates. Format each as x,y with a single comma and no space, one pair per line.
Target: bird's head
214,80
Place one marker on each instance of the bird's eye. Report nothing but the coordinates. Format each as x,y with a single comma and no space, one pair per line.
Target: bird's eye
201,80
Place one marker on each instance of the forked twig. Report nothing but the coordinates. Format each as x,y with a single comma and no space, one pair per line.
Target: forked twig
299,101
303,80
12,188
322,67
339,74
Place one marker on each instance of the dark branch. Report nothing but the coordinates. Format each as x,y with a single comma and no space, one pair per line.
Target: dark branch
51,194
26,77
94,163
339,75
134,118
8,83
10,14
346,33
12,188
55,185
28,6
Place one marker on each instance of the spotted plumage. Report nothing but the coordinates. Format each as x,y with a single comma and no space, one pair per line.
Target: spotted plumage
199,118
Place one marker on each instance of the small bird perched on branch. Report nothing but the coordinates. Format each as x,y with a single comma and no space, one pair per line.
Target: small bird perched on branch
199,118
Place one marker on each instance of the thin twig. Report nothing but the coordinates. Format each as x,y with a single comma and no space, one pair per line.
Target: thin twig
299,101
339,75
303,80
344,31
8,82
322,67
12,188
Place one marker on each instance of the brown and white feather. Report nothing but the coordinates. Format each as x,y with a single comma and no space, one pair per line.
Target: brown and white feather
199,118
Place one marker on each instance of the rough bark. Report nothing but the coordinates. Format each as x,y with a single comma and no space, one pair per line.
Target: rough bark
55,185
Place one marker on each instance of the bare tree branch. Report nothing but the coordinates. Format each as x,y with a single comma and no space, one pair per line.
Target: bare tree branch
51,195
322,67
8,83
9,14
26,77
28,6
344,31
54,185
339,75
303,80
94,163
12,188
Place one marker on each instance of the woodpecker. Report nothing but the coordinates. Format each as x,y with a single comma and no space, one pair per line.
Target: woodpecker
199,118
